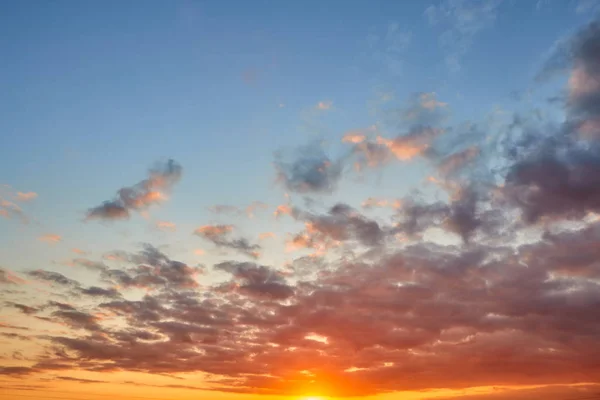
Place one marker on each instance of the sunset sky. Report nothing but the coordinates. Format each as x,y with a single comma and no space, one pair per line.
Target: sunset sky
300,200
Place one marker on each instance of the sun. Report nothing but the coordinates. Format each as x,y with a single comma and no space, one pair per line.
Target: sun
313,398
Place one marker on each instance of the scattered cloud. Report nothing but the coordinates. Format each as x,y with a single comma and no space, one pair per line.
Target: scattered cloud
50,238
166,226
324,105
460,22
310,170
139,197
9,209
488,279
266,235
79,251
9,278
387,47
219,235
26,196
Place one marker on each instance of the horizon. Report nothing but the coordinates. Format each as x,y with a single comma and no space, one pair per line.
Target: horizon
317,200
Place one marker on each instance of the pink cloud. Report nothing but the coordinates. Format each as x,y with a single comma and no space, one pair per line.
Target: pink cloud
27,196
166,226
324,105
50,238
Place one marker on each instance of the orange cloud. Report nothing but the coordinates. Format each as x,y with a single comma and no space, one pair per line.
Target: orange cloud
373,202
212,231
78,251
353,137
26,196
283,209
266,235
166,226
255,206
408,147
50,238
199,252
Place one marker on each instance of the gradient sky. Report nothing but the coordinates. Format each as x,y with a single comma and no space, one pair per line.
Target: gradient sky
292,200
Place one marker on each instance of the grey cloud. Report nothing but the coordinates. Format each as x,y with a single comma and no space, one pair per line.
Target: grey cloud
140,196
310,170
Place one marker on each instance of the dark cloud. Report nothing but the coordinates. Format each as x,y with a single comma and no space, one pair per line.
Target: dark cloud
555,171
415,313
310,170
53,277
60,306
140,196
342,223
152,269
219,235
25,309
77,319
79,380
258,280
95,291
16,370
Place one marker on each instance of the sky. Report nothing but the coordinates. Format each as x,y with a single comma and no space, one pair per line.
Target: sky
311,200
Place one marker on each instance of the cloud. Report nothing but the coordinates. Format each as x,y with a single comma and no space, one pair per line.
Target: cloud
77,319
78,380
487,279
79,251
53,278
166,226
309,171
219,235
26,196
456,161
417,312
139,197
283,209
257,280
373,202
9,209
324,105
50,238
9,278
152,269
25,309
388,48
250,210
460,21
266,235
555,172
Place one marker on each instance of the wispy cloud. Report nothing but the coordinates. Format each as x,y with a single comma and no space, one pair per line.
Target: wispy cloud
27,196
50,238
324,105
219,235
166,226
460,22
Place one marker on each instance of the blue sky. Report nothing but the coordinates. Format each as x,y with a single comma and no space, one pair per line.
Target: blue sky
93,95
